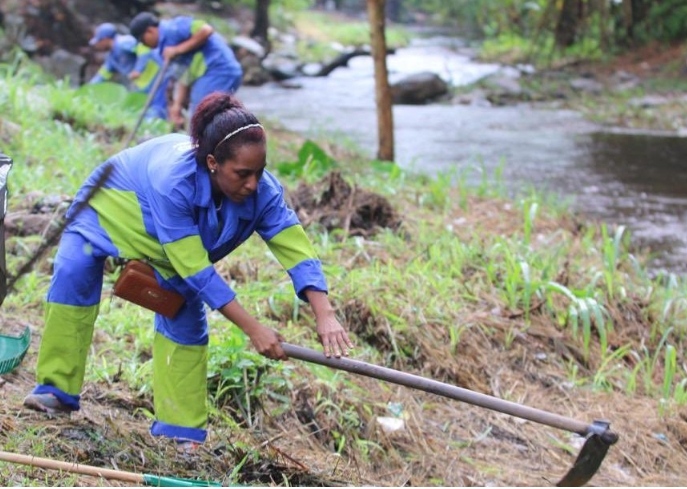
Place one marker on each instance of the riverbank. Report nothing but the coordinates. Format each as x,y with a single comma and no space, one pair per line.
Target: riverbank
643,90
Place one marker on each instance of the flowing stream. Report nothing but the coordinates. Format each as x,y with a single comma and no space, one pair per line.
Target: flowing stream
635,180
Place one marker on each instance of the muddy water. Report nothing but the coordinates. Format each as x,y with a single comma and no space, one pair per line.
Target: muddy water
639,181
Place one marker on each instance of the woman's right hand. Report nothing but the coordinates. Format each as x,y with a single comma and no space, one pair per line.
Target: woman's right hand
268,342
265,340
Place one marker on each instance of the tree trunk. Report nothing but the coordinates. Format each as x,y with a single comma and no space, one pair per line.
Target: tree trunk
566,28
385,120
640,10
601,7
639,13
262,20
628,23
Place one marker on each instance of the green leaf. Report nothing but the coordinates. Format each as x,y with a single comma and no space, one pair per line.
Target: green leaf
134,101
312,160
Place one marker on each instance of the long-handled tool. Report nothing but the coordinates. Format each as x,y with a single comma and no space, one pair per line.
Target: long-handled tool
121,475
5,167
153,90
600,438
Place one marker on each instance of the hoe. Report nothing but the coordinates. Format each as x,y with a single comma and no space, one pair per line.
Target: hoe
599,436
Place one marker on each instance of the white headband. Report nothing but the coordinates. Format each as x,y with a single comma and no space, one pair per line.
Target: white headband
233,133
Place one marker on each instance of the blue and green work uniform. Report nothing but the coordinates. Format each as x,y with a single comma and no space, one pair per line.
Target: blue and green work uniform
128,55
157,205
209,68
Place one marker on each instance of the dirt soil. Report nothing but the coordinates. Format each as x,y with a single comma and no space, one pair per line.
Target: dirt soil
645,62
335,204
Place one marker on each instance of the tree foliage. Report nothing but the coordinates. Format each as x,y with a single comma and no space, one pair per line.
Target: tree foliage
609,22
543,29
667,20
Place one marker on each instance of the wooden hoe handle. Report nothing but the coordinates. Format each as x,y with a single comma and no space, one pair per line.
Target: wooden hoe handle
47,463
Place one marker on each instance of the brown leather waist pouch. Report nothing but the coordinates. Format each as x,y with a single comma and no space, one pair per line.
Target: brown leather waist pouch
137,284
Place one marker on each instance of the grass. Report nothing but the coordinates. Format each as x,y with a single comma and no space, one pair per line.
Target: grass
508,296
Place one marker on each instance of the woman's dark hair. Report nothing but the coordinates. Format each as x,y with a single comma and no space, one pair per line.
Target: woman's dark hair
216,116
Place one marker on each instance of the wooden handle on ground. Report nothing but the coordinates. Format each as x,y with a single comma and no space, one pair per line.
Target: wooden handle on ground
47,463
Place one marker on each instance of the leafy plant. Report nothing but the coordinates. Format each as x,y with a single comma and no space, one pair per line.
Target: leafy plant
313,163
239,377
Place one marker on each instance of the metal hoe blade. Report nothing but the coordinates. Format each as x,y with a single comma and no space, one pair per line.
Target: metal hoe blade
589,459
599,436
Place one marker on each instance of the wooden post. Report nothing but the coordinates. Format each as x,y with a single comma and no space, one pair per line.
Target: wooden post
385,120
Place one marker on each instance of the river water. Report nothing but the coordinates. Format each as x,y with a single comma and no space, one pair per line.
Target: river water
635,180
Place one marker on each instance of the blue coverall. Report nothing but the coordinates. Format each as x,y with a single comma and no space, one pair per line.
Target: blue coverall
211,67
157,206
128,55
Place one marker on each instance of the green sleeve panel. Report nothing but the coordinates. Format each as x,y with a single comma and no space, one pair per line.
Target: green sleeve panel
291,247
119,213
187,256
196,25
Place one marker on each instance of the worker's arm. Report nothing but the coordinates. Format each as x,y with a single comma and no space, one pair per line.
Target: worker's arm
200,32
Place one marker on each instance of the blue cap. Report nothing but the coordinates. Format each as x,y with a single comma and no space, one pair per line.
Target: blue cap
103,31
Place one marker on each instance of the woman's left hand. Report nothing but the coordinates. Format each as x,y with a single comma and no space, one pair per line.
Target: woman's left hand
333,336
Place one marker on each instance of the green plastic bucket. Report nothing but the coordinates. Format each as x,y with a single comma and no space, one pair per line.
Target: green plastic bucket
12,350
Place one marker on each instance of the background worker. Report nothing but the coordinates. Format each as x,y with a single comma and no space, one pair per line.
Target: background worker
136,63
181,203
204,61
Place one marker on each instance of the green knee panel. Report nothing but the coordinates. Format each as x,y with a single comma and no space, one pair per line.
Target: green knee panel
180,383
64,348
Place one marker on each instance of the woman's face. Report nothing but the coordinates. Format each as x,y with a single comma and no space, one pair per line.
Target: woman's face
238,178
